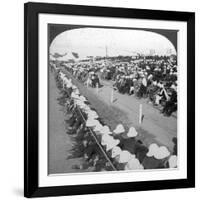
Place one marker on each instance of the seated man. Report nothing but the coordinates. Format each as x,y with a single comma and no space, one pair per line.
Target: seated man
171,104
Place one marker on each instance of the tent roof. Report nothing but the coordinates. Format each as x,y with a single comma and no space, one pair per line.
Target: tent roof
68,56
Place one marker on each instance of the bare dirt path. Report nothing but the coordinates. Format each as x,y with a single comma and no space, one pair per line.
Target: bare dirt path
60,143
125,110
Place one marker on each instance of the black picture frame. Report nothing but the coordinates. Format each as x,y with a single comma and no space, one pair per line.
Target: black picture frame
31,85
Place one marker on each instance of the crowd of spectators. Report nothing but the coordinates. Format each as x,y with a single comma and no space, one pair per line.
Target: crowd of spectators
154,78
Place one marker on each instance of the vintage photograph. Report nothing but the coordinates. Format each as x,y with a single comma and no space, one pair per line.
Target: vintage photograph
112,99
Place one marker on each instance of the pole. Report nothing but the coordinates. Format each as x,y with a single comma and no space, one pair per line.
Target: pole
63,84
97,88
112,96
106,51
140,114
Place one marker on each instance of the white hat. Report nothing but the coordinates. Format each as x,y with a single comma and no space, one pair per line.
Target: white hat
105,130
74,87
78,102
115,151
172,161
82,98
133,164
76,91
119,129
105,139
142,75
162,153
92,114
65,80
81,104
74,96
86,108
150,76
98,127
111,144
69,85
97,123
155,83
91,122
152,149
132,132
124,156
158,152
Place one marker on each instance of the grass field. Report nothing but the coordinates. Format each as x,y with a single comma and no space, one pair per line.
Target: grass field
125,109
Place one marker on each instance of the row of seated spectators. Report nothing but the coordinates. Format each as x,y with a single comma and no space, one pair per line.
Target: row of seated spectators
155,79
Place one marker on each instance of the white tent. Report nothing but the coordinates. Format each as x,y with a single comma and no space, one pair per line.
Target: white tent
51,58
67,57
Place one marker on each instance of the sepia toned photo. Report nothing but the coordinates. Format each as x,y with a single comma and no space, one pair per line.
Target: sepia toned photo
112,99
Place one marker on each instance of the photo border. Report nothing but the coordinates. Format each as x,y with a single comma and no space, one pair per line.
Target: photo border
120,176
31,97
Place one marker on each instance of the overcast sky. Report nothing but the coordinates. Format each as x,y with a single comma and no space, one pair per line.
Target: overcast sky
93,42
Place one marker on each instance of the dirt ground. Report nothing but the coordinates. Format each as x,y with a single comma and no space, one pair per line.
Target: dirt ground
59,144
125,109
